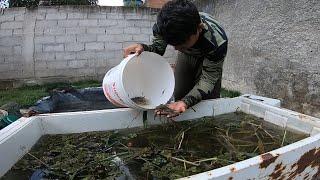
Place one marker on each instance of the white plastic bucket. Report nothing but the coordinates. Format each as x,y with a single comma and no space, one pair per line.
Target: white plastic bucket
148,75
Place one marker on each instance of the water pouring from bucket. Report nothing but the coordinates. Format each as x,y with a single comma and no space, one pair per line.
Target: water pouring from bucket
141,82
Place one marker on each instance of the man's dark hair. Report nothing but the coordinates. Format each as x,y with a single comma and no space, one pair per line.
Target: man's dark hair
177,21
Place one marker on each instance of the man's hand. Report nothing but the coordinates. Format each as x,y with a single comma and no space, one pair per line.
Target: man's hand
171,110
178,107
134,48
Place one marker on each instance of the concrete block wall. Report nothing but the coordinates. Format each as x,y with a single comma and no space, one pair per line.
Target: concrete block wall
69,42
273,50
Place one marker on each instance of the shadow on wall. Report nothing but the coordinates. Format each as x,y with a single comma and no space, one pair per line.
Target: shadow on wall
291,87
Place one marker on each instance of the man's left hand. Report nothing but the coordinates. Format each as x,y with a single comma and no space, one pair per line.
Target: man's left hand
172,110
178,107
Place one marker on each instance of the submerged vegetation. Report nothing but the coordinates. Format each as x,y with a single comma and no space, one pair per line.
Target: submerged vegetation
167,151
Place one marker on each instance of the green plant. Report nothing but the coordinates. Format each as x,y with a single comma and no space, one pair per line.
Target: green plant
35,3
24,3
229,93
28,95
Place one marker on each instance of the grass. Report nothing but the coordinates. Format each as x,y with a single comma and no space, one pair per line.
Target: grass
229,93
28,95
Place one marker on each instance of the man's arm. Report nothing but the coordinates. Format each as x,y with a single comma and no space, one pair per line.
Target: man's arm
211,73
158,44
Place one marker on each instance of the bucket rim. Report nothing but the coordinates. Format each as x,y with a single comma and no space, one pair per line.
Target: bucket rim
132,103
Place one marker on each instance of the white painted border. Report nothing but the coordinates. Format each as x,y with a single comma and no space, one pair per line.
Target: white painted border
17,139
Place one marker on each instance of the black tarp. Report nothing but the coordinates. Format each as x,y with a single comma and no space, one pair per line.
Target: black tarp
71,100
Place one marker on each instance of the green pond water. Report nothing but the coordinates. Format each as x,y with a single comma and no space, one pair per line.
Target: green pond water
167,151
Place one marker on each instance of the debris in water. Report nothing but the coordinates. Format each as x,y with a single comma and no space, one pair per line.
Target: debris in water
140,100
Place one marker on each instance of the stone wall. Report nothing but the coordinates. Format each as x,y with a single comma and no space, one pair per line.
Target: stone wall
274,50
69,42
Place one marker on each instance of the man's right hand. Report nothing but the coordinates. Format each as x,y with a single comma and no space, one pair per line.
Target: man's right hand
134,48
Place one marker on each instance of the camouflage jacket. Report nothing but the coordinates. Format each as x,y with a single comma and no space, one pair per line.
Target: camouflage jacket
206,48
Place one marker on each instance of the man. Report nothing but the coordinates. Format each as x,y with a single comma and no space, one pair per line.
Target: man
202,46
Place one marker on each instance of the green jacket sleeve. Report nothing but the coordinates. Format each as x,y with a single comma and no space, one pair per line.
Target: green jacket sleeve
158,46
211,73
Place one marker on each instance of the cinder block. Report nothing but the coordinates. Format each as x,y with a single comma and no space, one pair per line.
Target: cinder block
46,73
13,59
126,44
94,46
54,31
95,30
86,55
76,30
113,46
97,62
44,39
41,65
38,31
48,56
86,38
135,16
12,25
68,23
112,30
6,32
17,50
115,16
47,23
19,17
86,72
118,54
6,17
60,56
69,72
115,38
10,41
75,15
88,22
18,32
66,38
140,37
56,16
75,46
78,63
5,67
97,16
132,30
142,23
38,48
147,31
107,22
40,16
53,48
124,24
101,70
58,64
